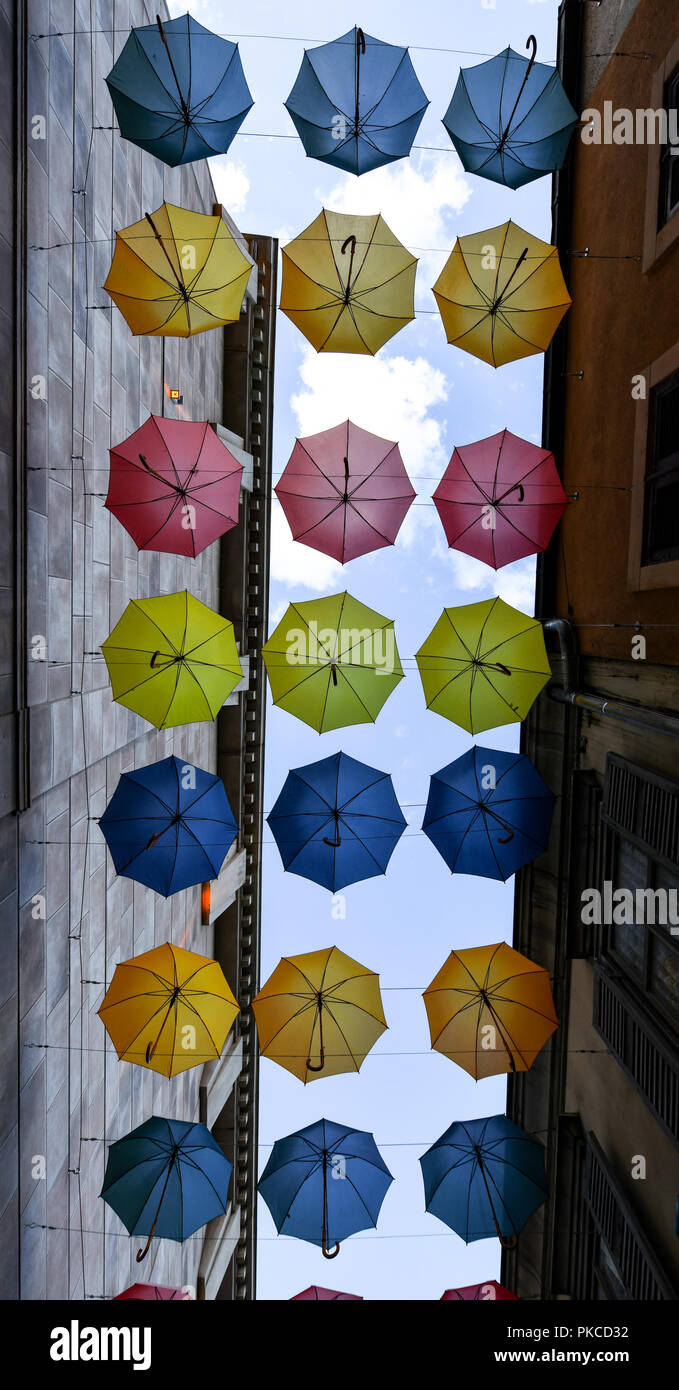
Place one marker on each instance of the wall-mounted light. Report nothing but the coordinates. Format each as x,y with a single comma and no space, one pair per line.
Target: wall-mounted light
205,905
174,395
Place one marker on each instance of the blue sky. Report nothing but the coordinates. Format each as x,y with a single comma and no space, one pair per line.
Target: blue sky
429,397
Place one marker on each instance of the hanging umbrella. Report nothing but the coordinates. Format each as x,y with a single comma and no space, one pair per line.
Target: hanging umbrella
348,283
484,1178
332,662
483,665
176,273
168,1009
500,499
169,825
501,294
319,1014
172,660
357,103
490,1009
345,492
178,90
337,821
488,813
510,119
153,1293
324,1183
479,1293
166,1178
174,486
315,1294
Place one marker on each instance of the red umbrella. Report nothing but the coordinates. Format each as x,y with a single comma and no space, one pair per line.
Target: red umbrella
174,486
479,1293
345,491
500,499
156,1293
314,1294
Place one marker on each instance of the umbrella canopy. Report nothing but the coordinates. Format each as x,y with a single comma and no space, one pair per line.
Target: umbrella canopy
172,660
500,499
357,103
324,1183
179,91
348,283
490,1009
176,273
174,486
332,662
510,119
488,813
315,1294
479,1293
484,1178
168,1009
345,492
153,1293
483,665
337,821
501,294
166,1178
319,1014
169,825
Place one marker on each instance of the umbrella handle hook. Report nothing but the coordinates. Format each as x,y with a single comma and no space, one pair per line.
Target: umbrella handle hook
360,41
508,1243
531,43
330,1254
142,1253
313,1066
504,839
334,844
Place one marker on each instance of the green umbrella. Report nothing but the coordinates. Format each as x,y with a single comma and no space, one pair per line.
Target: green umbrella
332,662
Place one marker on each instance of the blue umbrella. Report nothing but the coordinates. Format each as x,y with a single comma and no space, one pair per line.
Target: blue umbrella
325,1183
510,119
357,102
484,1178
166,1178
169,825
488,813
337,821
179,91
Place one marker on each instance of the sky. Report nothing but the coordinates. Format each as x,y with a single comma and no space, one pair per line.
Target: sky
429,396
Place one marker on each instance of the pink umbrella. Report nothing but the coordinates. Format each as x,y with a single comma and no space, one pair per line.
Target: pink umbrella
156,1293
174,486
314,1294
345,491
500,499
479,1293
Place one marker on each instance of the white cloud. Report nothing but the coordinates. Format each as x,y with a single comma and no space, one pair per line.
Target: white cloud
294,564
417,199
232,185
515,583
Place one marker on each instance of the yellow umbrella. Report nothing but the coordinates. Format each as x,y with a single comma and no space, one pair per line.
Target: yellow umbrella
483,664
168,1009
172,660
319,1014
176,273
501,294
348,283
490,1009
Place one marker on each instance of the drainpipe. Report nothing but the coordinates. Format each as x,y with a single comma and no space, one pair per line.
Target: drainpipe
570,693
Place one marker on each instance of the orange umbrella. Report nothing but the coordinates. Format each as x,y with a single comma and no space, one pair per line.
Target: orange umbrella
490,1009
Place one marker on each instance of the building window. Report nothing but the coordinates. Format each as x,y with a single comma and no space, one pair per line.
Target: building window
668,179
654,514
640,813
661,501
661,220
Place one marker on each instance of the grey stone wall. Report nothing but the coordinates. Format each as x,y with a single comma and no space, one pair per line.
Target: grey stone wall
67,1097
